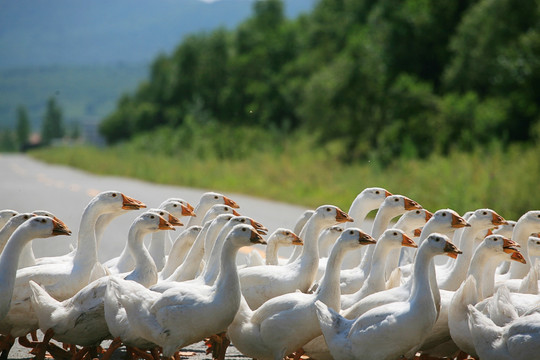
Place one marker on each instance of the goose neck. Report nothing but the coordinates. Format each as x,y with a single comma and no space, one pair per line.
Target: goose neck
86,252
227,283
521,233
423,290
213,265
358,211
272,253
9,258
329,291
376,278
157,248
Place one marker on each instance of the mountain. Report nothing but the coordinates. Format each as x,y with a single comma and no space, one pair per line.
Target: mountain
67,32
87,53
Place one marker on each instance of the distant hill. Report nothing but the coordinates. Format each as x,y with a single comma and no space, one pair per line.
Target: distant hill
88,53
67,32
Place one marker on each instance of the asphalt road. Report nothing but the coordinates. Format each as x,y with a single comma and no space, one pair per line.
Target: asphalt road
27,185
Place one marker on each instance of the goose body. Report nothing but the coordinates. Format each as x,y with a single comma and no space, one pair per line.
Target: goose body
38,227
183,315
62,280
261,283
400,326
179,250
80,319
286,322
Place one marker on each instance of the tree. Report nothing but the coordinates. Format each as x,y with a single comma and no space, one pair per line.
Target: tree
23,126
53,127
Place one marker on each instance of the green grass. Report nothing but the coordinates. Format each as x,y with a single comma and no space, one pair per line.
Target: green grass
506,181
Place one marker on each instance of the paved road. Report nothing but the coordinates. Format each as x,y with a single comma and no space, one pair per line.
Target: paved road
27,185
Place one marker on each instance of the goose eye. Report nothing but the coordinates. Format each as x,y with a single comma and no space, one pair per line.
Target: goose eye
538,215
113,195
443,214
351,232
175,205
328,209
287,233
538,243
377,192
152,217
395,233
437,239
243,229
226,208
42,220
484,213
396,199
418,211
216,197
243,220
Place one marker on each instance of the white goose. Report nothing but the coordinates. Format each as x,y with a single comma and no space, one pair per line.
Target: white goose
286,322
493,250
126,258
480,220
527,224
179,250
80,319
5,215
400,326
10,226
62,280
206,202
260,283
518,340
181,316
279,238
39,227
392,206
375,281
160,239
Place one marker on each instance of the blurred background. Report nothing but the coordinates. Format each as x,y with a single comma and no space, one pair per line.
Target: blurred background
303,101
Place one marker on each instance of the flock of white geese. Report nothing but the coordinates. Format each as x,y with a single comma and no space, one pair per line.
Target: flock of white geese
344,294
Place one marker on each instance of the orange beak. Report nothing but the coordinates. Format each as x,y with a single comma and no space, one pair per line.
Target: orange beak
342,216
411,204
518,257
235,213
131,204
174,221
451,250
164,224
366,239
259,227
428,215
230,203
417,232
510,246
256,238
59,228
498,219
459,222
187,210
387,193
407,241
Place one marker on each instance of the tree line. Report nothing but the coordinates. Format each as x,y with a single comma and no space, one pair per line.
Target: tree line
379,79
52,128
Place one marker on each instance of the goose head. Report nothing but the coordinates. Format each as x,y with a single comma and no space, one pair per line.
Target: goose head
501,245
533,245
354,238
178,200
396,238
216,198
43,227
439,244
486,218
152,221
261,229
327,237
19,219
446,221
285,237
115,202
414,219
373,197
505,230
244,235
47,214
398,204
176,208
530,221
219,209
330,214
5,215
173,220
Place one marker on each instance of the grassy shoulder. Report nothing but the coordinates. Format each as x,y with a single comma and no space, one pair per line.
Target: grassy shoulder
506,181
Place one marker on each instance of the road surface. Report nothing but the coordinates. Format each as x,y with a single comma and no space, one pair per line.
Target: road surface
27,185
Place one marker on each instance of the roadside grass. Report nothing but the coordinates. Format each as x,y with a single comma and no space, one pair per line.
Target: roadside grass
504,180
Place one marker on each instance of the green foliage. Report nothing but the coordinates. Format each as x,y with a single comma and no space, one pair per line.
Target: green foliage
378,80
8,141
299,172
22,126
53,125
